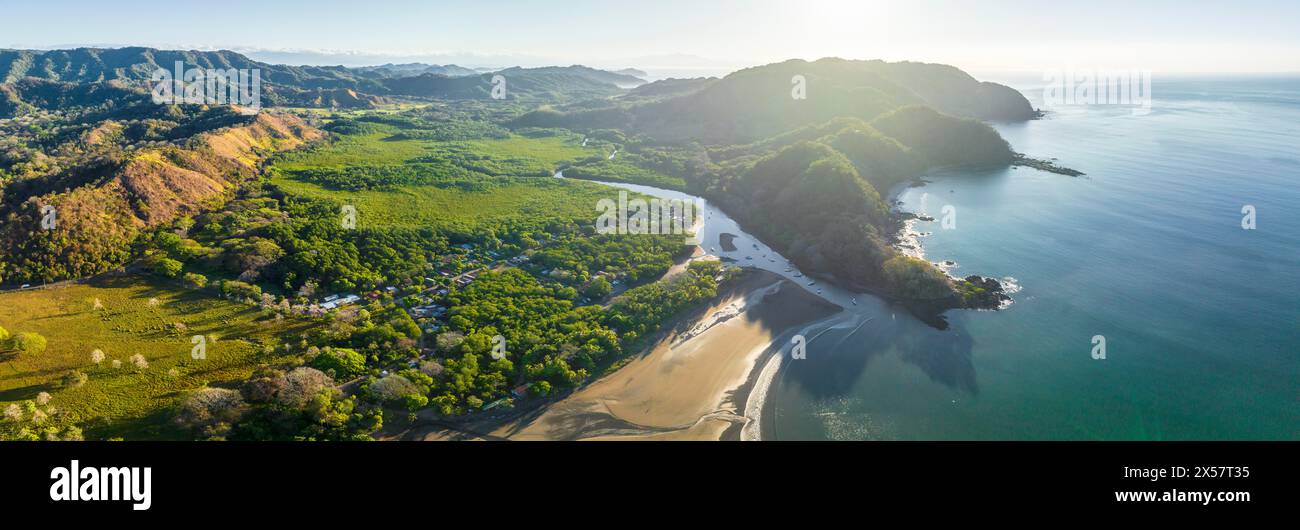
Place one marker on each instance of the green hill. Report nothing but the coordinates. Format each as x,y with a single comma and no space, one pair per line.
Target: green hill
757,103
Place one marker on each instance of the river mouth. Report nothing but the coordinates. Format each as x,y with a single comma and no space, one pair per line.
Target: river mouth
722,237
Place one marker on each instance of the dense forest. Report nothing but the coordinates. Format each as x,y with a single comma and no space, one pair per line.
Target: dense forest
80,193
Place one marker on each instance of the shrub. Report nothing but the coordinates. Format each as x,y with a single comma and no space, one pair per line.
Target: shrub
398,389
211,410
75,379
237,289
345,362
166,267
196,280
28,342
302,385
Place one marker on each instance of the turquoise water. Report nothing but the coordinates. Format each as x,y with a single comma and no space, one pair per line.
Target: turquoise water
1201,318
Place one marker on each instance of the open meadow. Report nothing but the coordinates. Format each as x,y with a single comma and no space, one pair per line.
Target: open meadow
122,317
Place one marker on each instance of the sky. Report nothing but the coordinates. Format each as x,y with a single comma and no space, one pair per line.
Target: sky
984,36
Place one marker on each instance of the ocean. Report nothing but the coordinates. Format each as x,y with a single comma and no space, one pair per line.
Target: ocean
1200,317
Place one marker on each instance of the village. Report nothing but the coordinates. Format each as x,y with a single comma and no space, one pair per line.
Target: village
429,306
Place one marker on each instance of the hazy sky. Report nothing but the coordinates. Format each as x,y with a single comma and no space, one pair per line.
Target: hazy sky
996,35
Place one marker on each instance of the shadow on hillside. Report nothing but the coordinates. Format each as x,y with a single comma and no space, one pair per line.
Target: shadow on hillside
25,393
44,372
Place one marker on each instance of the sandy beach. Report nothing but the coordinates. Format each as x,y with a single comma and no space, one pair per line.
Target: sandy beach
693,383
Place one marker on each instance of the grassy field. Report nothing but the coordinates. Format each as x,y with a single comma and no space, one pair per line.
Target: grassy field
620,170
392,108
549,151
436,207
412,206
137,317
381,147
373,148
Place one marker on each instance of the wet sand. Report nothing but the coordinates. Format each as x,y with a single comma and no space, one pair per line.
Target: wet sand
692,385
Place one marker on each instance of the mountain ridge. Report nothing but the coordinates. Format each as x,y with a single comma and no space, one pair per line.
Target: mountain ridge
285,85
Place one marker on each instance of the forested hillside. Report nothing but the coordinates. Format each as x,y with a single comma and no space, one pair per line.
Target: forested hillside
99,207
757,103
89,69
816,193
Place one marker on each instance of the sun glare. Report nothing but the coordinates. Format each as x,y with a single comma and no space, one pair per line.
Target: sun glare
844,28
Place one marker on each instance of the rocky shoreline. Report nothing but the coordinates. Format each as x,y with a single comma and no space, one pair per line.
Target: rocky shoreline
993,297
1044,165
982,293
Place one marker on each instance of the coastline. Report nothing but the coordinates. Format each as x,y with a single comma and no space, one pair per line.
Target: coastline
907,240
659,394
708,374
696,383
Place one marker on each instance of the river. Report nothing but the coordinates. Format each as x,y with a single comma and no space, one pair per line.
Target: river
860,309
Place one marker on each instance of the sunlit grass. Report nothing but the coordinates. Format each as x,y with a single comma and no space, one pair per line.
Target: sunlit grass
138,316
435,207
374,148
429,206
